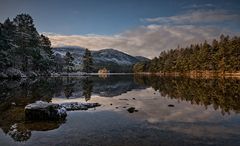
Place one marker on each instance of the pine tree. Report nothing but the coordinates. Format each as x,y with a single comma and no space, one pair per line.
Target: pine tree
219,56
22,48
58,63
27,38
87,62
46,44
69,61
7,44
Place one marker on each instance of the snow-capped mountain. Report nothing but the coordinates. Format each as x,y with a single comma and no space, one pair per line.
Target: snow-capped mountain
113,60
114,56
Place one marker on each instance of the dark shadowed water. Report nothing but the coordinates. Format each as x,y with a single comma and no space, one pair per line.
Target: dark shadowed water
136,110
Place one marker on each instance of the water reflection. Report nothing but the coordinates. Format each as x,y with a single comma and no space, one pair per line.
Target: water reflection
87,88
221,94
15,95
94,85
22,131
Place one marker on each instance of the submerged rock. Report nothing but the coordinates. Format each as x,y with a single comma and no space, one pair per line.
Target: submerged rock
123,99
41,110
132,110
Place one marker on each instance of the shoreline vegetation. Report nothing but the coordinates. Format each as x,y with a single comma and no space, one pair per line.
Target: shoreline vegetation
195,74
220,58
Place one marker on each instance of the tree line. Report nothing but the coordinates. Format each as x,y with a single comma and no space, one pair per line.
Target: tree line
219,56
22,47
23,51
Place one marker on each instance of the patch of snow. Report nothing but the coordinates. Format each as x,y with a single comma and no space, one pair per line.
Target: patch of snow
61,111
15,73
60,53
38,105
3,75
78,106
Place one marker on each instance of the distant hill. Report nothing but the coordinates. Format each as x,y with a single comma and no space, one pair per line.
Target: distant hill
142,59
113,60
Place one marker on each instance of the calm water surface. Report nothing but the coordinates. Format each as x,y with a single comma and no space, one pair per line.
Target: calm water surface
166,111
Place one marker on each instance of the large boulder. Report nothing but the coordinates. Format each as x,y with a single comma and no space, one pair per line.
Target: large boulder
41,110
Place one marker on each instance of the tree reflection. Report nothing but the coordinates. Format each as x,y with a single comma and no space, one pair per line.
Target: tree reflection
15,95
104,75
68,90
221,93
87,88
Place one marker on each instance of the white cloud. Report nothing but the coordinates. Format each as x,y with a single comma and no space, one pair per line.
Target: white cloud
151,39
201,6
199,16
147,41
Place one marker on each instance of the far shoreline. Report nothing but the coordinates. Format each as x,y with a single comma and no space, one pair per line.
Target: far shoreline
195,74
191,74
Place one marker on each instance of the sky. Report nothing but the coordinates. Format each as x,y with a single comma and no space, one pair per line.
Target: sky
137,27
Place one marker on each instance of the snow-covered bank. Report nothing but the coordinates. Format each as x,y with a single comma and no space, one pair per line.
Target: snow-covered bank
13,73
